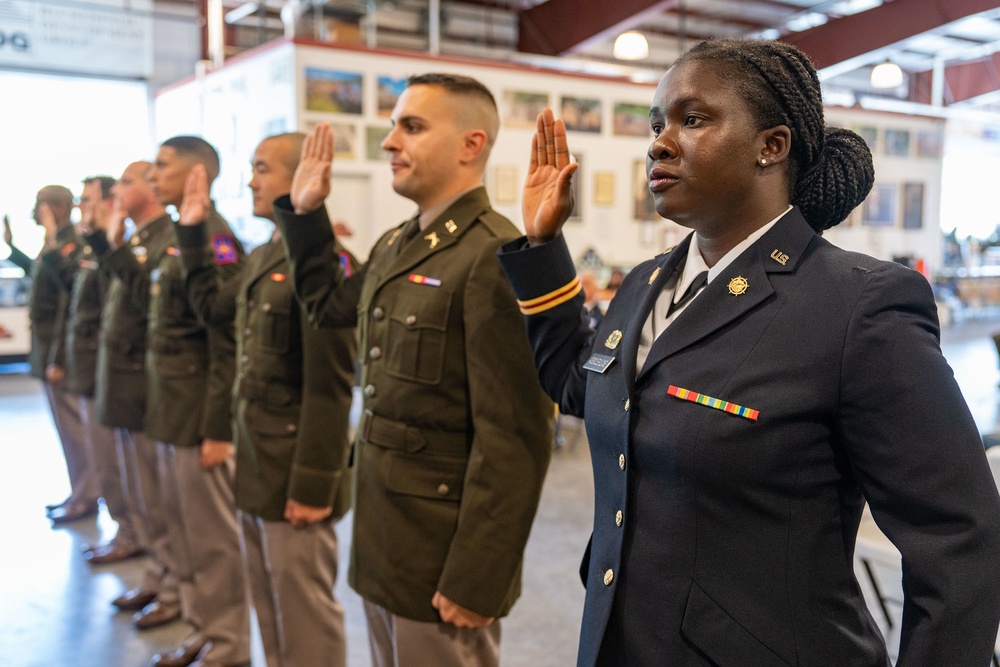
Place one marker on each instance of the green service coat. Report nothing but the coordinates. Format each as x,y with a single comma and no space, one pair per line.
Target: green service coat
292,395
120,391
456,435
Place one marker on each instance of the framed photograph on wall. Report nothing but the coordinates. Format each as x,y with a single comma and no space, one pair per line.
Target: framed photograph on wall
913,205
897,142
577,214
643,206
374,136
880,206
604,188
581,114
521,108
504,190
388,90
333,91
631,120
869,133
345,141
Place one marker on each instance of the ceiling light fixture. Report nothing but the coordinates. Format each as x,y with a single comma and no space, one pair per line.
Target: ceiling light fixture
631,45
887,75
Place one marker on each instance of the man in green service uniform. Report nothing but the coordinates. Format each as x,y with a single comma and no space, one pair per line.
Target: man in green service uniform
47,310
120,391
190,373
293,397
456,434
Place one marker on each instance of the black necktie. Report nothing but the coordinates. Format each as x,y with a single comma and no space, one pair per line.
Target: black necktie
410,229
696,284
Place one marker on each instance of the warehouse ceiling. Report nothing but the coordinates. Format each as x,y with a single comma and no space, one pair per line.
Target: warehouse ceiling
946,48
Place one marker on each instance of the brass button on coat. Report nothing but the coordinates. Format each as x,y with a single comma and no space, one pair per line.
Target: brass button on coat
369,390
377,313
266,307
443,489
609,576
375,352
411,320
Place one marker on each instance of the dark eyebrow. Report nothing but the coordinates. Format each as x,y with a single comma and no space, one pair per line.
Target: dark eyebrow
408,119
683,102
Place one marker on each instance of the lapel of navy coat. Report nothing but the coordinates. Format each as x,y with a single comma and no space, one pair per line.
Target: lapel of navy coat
729,473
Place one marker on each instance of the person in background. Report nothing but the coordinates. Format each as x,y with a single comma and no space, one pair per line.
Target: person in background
455,435
751,388
290,425
47,309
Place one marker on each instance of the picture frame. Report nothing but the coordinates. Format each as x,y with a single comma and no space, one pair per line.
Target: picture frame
333,91
387,92
581,114
897,142
504,190
345,141
630,119
913,205
604,188
929,143
880,206
576,215
521,108
374,136
870,134
643,205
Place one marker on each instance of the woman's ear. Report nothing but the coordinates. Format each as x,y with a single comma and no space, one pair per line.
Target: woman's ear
776,142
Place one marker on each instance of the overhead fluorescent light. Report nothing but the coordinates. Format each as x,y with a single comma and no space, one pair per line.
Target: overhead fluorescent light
241,12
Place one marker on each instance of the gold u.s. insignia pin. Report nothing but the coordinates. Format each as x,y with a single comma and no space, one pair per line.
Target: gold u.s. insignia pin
134,240
655,273
779,257
613,340
450,226
433,238
738,285
393,237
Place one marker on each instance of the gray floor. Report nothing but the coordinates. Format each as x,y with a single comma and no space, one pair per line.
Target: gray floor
55,611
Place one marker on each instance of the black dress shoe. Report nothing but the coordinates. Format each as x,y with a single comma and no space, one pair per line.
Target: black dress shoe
155,614
74,511
112,553
134,599
181,657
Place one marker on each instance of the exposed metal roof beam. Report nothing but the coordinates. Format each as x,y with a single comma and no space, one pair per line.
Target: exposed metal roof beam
559,26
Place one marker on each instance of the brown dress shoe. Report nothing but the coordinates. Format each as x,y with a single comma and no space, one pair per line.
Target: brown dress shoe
181,657
74,511
155,614
112,553
134,599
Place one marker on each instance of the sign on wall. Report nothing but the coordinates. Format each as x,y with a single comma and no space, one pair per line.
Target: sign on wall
96,37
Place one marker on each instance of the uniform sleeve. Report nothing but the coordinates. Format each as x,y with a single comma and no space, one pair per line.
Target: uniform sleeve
551,299
320,457
212,298
216,421
61,268
328,296
511,446
20,259
917,454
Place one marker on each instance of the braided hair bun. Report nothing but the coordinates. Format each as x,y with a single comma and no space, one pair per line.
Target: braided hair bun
830,169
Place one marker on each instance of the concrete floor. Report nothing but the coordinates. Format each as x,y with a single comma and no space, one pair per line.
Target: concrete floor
55,609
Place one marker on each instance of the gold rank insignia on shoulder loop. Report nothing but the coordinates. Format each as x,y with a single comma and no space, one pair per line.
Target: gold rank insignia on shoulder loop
613,340
738,286
779,257
393,237
433,238
655,273
451,226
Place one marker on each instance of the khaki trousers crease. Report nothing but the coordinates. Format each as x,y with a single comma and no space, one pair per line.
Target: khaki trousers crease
144,500
73,438
401,642
208,515
291,573
177,534
102,446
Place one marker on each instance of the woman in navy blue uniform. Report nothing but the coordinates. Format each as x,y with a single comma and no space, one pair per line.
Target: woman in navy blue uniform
749,389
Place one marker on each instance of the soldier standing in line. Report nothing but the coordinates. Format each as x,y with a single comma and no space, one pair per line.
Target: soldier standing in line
455,436
292,403
86,283
190,372
47,311
120,392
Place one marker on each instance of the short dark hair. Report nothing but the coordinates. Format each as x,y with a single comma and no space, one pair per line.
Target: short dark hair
197,148
454,83
831,169
106,183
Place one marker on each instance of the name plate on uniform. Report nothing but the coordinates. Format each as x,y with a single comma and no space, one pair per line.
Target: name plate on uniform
599,362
